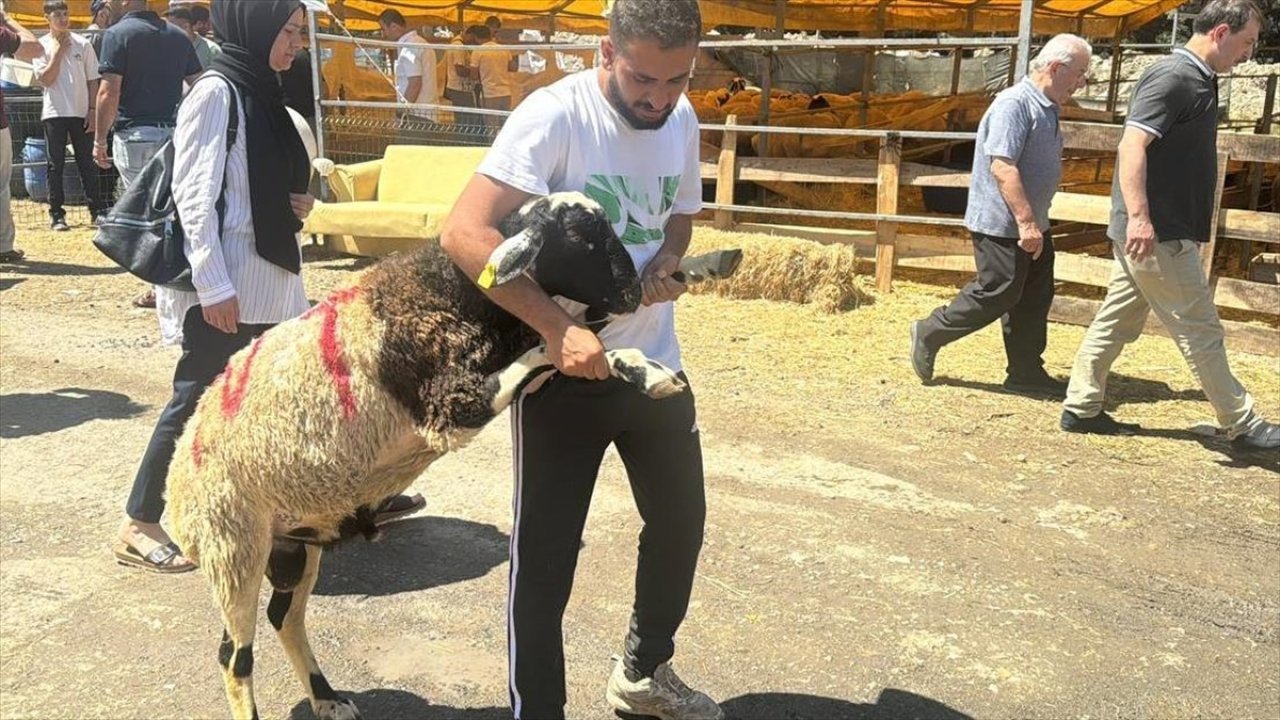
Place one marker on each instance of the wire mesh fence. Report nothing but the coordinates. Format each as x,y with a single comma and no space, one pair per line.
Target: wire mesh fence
29,181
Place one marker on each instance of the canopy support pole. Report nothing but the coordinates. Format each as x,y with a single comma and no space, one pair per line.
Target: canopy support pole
1024,39
316,92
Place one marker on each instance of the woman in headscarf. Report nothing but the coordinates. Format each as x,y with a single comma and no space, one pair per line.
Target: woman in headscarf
241,211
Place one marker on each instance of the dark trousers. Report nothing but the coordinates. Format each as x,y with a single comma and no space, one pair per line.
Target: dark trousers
561,434
57,131
107,179
1010,287
205,352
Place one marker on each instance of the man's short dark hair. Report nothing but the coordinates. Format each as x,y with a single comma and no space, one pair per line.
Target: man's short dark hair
1235,14
391,17
481,33
180,13
54,6
199,13
672,23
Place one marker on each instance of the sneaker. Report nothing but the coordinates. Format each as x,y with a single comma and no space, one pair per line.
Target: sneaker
1043,384
662,696
59,225
1266,436
12,256
1100,424
921,357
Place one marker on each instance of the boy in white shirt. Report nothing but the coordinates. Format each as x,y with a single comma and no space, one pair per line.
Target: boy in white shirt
68,71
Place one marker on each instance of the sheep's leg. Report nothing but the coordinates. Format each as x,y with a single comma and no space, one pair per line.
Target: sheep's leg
236,576
293,570
632,366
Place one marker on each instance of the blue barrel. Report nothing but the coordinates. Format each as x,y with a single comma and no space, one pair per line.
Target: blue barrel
36,179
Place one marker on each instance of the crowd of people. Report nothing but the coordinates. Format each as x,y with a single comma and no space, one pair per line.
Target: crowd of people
624,134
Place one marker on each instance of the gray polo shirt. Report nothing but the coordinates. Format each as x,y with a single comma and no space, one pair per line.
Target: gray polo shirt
1020,126
1176,102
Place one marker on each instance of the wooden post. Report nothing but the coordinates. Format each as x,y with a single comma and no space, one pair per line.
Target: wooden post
727,174
1113,80
1207,258
887,204
1256,169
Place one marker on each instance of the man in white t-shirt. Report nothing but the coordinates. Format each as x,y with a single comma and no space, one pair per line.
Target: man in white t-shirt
624,135
415,67
68,72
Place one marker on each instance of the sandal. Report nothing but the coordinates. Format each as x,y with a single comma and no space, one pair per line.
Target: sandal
145,300
396,507
11,256
160,560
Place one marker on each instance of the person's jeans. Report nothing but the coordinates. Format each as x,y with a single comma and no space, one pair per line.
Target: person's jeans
56,133
132,148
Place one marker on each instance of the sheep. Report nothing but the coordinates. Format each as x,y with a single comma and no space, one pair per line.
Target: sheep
320,419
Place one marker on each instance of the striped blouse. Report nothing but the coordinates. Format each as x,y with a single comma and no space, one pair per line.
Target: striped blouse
227,265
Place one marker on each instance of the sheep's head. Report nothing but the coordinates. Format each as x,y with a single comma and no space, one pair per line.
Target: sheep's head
565,242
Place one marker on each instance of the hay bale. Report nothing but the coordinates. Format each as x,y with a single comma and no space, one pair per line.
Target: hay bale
786,269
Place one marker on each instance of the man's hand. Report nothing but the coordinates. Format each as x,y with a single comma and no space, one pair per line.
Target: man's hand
1030,239
62,37
90,122
302,204
578,353
224,316
100,155
656,283
1140,238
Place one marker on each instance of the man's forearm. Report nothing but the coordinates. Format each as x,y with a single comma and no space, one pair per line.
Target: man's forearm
411,92
1131,164
50,73
1009,182
105,117
677,235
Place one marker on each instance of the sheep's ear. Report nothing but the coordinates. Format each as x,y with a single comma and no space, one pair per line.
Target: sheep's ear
510,259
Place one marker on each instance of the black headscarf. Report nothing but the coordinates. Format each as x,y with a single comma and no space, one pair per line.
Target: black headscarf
277,158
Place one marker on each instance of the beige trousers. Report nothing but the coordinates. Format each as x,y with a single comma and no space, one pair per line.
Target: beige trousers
1170,282
6,212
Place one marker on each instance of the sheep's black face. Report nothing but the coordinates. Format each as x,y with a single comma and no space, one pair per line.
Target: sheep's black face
581,258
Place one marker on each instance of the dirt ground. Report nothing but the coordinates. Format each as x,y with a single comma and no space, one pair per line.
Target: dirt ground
875,548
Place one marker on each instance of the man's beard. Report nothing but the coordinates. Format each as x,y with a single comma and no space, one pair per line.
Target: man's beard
620,104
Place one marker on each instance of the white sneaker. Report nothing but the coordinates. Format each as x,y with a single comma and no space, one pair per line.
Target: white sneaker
663,696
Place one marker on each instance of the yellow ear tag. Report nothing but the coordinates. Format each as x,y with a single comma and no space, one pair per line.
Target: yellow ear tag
487,276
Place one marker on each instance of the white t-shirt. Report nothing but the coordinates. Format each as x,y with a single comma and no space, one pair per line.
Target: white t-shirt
416,62
567,137
495,79
68,94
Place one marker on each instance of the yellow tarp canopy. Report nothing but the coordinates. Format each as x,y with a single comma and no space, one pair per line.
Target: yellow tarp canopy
1093,18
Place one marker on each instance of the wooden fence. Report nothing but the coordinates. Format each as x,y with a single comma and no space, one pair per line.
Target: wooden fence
892,249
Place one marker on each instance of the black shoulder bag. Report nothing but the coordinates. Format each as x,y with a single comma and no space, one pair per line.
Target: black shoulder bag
142,233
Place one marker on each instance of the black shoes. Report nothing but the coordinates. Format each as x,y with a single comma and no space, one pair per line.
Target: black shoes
921,357
1043,384
1100,424
59,225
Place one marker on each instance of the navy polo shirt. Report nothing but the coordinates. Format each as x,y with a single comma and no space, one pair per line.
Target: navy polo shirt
152,58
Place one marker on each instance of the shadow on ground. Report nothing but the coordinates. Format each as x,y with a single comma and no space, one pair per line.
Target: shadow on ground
1232,457
392,704
414,554
1121,390
23,414
892,704
40,267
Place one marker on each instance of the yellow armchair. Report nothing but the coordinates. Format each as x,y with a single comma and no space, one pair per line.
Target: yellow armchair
396,203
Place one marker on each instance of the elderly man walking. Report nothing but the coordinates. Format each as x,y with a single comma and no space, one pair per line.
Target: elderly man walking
1162,199
1017,165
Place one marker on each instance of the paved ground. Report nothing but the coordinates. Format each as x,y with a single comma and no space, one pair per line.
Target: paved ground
875,549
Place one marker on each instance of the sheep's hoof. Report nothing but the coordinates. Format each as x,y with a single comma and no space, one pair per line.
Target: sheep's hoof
654,379
338,709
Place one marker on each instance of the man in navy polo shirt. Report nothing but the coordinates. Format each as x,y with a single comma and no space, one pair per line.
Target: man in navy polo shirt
1162,199
1017,165
143,64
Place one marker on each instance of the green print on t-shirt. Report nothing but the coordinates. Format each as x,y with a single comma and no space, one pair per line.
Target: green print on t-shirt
636,217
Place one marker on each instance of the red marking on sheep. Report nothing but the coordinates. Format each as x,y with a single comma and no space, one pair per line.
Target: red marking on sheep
331,349
197,451
236,385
